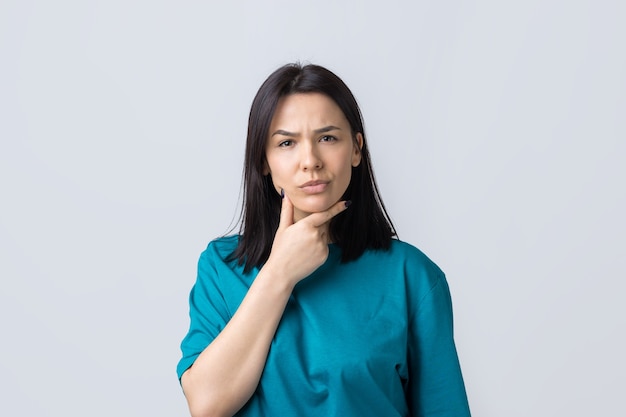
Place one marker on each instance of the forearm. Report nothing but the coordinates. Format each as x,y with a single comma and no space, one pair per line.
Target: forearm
227,372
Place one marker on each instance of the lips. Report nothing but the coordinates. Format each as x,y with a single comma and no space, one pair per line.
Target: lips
312,183
314,187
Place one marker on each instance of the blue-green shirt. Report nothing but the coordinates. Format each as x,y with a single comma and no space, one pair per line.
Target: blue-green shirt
371,337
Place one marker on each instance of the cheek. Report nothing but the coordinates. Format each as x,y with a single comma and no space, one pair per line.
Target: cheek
345,174
276,170
350,159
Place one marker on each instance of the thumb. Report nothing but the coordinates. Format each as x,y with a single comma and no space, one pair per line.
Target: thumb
286,213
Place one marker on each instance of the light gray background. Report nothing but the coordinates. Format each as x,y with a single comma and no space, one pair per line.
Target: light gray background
497,130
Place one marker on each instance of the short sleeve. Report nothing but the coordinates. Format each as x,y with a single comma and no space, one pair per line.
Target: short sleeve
435,386
208,310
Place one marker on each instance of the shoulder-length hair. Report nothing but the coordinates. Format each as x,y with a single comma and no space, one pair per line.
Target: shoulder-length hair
365,225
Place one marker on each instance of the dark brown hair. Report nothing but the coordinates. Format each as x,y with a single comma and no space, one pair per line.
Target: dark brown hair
365,225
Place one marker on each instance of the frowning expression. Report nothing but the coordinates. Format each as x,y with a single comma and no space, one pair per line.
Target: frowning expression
310,151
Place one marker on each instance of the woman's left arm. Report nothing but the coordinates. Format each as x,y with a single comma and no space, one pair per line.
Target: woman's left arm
436,386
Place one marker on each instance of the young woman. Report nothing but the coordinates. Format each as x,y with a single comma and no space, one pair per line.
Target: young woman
315,308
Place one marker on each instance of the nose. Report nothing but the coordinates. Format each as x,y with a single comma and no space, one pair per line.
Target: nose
310,158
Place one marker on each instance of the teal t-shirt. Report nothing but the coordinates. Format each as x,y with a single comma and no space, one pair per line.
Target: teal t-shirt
371,337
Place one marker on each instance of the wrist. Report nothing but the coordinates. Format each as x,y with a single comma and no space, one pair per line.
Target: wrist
272,278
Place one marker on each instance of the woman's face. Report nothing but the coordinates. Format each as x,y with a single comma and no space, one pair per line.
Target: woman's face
310,152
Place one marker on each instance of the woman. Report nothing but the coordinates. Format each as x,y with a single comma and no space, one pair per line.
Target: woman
315,309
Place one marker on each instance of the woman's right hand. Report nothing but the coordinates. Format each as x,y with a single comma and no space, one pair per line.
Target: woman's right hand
301,247
227,372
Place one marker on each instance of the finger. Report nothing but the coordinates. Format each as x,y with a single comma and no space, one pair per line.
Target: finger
286,213
318,219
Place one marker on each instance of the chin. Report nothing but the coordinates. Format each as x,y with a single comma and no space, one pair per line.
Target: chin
314,207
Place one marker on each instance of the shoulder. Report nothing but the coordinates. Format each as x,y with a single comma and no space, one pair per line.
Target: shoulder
222,247
425,282
420,272
400,251
402,259
217,267
220,250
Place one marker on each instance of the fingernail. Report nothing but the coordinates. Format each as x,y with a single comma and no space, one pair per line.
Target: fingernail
347,203
282,193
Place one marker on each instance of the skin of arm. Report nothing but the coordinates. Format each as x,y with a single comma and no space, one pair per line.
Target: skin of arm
227,372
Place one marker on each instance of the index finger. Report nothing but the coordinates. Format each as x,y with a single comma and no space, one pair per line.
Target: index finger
318,219
286,213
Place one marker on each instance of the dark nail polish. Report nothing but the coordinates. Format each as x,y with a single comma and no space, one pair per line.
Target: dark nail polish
347,203
282,193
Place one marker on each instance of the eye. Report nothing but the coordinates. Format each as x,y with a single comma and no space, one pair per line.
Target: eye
285,143
328,138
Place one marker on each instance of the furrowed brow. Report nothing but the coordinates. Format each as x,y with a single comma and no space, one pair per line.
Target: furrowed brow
326,129
285,133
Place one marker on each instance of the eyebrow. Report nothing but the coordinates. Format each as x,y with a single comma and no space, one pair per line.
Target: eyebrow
317,131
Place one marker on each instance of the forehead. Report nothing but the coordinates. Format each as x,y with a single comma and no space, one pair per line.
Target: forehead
301,110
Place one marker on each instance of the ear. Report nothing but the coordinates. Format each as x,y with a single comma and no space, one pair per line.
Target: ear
358,145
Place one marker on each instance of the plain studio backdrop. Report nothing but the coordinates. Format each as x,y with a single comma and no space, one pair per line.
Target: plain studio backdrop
497,131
